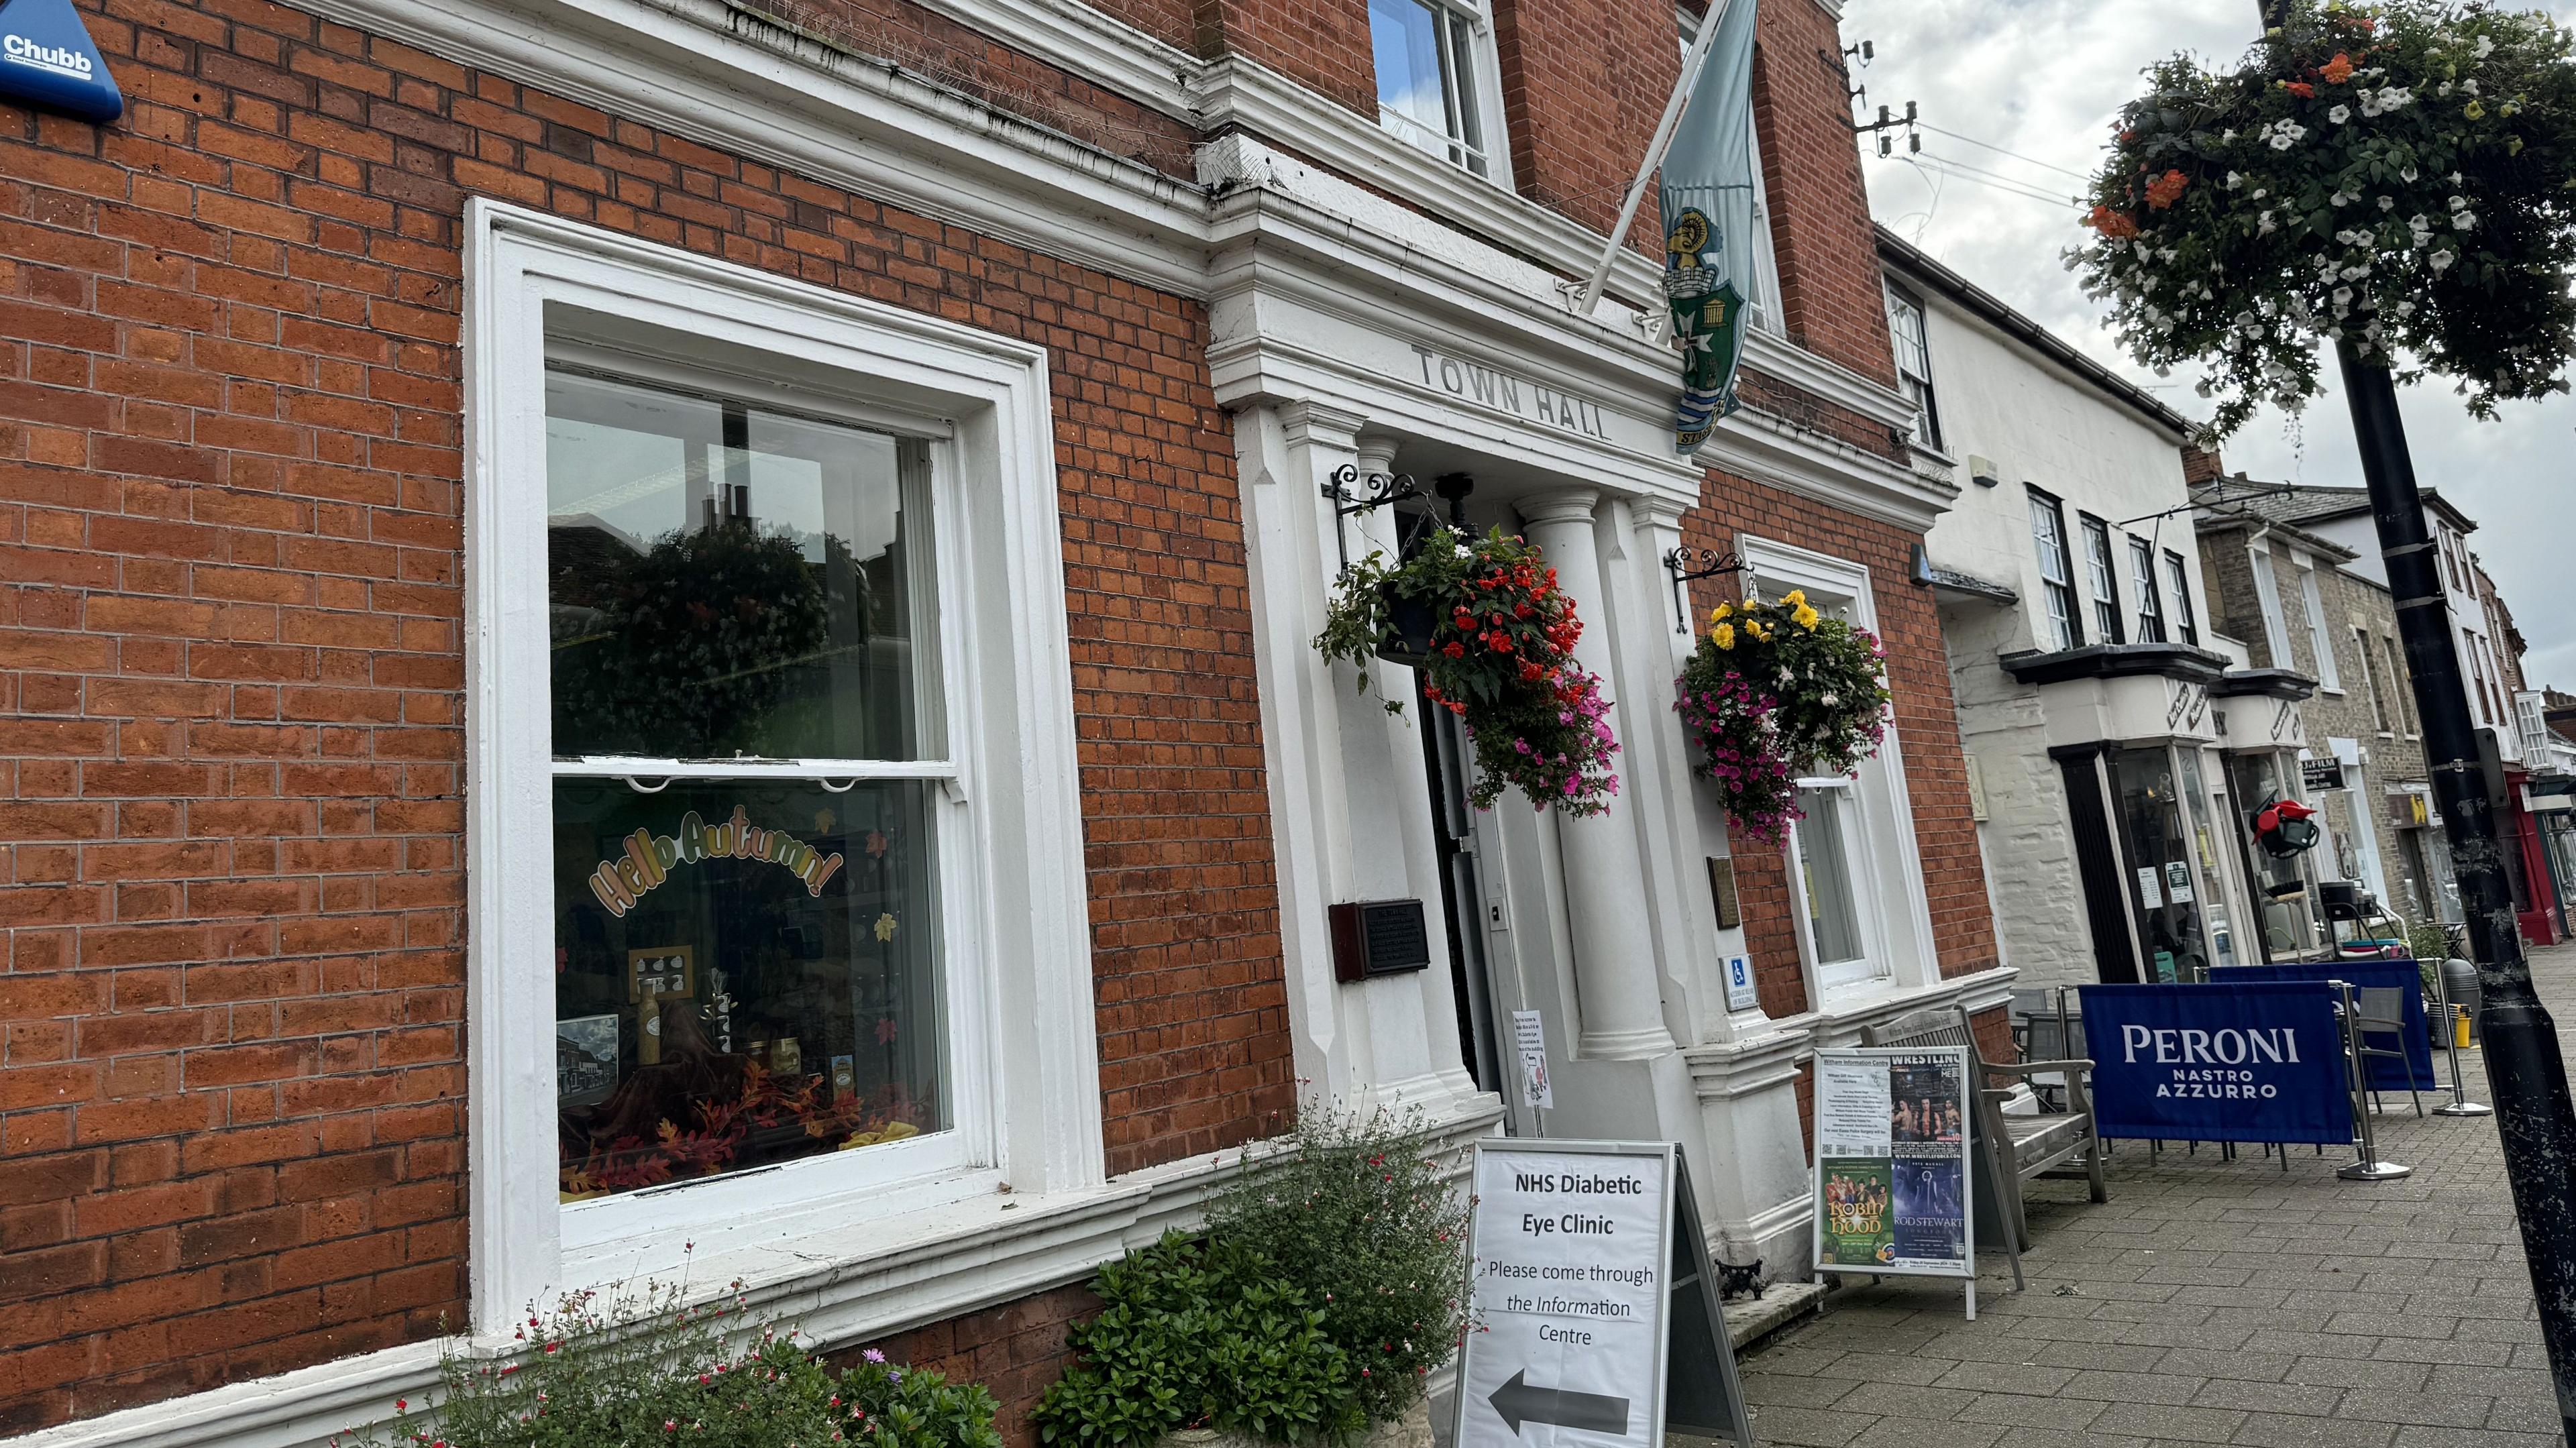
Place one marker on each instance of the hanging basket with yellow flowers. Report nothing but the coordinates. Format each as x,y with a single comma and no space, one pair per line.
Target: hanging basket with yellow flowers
1777,691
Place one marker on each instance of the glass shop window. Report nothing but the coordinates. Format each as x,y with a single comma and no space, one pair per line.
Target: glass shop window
2159,848
746,749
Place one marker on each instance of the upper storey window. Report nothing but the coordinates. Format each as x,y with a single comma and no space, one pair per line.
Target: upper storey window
1431,75
1914,363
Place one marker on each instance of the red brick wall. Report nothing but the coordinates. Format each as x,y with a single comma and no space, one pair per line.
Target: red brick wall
1583,84
1015,1350
1830,290
1927,732
231,1074
1321,44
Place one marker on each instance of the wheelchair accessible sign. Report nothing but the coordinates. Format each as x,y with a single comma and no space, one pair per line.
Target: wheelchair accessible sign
48,60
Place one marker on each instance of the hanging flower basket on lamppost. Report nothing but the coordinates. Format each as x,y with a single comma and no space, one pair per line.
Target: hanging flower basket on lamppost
1483,620
2398,179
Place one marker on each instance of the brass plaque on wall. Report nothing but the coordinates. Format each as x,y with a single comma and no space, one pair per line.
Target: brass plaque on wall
1721,888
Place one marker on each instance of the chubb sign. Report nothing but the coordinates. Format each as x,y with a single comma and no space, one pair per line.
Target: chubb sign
2217,1063
47,59
61,59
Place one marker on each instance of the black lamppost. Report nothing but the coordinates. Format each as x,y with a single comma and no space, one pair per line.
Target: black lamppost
2526,1072
2525,1069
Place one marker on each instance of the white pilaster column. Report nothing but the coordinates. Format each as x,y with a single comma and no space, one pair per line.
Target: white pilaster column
1614,949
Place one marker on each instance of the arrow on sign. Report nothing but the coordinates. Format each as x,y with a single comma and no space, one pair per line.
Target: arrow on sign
1518,1402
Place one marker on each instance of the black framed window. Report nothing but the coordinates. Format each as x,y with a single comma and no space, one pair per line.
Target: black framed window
2062,628
2103,580
1905,328
2178,574
2151,604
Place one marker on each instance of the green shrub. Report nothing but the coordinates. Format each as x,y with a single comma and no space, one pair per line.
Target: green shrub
2428,941
1199,1336
643,1368
1365,1220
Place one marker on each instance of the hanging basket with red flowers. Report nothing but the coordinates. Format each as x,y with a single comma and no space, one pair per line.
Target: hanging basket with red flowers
1484,621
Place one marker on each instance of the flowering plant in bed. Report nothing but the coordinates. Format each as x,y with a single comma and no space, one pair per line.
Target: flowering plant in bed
646,1365
1775,691
1484,621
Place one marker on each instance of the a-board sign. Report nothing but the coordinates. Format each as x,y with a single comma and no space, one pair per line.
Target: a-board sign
1893,1188
1597,1314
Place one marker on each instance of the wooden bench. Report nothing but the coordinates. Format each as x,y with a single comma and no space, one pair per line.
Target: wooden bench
2029,1145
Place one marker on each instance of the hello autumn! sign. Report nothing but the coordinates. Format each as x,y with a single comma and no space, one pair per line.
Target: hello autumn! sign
649,858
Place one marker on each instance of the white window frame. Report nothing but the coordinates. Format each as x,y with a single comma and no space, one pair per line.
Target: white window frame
2150,618
1492,154
2402,687
2320,641
2267,594
2383,719
2184,627
1024,1081
1914,376
2102,579
2060,608
1879,840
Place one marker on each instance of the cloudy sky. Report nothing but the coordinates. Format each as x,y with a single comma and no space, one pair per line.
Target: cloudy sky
2041,80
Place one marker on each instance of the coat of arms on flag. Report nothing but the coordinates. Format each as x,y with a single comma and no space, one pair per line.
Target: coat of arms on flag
1708,326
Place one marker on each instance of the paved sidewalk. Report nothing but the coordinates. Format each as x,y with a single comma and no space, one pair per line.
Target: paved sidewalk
2210,1302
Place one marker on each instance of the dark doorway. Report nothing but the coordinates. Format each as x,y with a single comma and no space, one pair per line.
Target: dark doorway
1462,893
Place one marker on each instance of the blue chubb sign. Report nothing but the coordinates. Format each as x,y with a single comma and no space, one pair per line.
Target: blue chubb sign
46,58
2417,1069
2256,1062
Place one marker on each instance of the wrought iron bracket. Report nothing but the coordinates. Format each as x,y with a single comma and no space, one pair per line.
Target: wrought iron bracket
1685,563
1373,492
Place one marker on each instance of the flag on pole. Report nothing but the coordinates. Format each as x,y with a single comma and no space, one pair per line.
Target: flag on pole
1707,193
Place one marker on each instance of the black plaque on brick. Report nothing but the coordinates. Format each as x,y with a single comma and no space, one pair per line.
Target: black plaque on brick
1379,937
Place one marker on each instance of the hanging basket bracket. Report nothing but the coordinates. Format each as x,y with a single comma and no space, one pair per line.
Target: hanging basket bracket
1353,494
1685,563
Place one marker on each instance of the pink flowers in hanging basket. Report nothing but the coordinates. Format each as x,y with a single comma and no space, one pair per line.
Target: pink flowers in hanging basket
1775,692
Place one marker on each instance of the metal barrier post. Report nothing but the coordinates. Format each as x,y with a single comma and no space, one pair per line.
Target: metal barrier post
2460,1105
2370,1168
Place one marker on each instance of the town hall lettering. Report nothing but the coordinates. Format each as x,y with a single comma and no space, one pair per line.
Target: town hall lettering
1504,392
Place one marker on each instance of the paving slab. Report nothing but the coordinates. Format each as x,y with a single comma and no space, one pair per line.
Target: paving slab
2209,1301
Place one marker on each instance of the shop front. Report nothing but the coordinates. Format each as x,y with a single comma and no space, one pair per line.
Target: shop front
2264,736
2166,755
2135,736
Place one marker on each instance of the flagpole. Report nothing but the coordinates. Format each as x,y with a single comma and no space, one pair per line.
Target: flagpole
1654,155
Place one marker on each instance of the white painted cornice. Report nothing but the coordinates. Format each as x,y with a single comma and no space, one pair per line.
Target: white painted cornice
1089,42
1818,465
742,83
1723,1070
734,80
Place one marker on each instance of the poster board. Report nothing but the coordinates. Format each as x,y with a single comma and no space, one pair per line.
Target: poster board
1894,1195
1597,1304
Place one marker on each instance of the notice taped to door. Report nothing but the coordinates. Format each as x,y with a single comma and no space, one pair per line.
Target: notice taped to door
1588,1272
